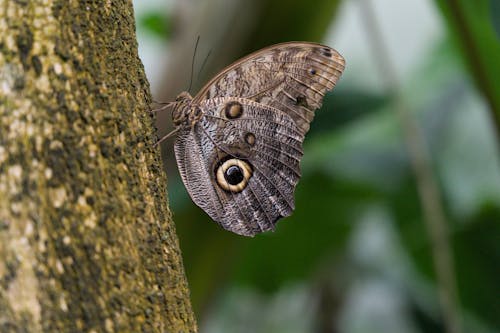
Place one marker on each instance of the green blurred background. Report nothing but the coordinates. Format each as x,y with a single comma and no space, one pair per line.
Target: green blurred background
399,202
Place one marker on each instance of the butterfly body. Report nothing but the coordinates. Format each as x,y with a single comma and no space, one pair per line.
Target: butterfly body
239,140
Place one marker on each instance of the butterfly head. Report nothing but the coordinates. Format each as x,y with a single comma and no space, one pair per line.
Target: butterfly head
185,113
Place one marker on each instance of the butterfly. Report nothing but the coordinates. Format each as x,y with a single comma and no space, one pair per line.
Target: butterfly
239,140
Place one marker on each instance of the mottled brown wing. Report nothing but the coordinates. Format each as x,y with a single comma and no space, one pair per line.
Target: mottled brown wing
265,140
292,77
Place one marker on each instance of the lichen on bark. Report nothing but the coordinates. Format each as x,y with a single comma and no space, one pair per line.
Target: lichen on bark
86,238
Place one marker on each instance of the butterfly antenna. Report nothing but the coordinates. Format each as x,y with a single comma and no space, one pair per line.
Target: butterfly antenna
157,102
165,137
164,106
192,62
204,63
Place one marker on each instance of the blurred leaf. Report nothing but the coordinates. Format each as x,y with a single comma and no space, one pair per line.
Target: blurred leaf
156,23
343,106
471,24
495,16
477,264
368,151
287,20
425,322
465,157
458,132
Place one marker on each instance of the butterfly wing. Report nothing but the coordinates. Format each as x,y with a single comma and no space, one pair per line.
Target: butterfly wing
292,77
240,160
262,139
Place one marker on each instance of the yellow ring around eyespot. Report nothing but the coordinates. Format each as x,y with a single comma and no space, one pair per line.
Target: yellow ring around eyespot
221,170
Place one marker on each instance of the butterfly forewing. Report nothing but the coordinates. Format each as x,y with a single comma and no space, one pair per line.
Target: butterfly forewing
292,77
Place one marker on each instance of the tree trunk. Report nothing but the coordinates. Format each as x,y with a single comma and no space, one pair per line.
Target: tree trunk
87,243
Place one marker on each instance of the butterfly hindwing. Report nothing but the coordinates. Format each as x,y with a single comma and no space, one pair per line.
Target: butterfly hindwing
266,140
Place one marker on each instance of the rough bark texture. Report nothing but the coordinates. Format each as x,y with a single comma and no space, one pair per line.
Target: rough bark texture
86,239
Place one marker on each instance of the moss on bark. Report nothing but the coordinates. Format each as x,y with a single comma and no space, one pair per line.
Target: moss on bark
86,238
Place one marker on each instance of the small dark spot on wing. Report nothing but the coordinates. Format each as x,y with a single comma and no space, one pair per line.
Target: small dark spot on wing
301,100
326,52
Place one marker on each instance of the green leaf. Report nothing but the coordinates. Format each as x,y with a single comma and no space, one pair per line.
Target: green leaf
477,258
495,16
158,24
472,27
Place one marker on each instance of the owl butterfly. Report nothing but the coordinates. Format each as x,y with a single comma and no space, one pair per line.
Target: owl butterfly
239,141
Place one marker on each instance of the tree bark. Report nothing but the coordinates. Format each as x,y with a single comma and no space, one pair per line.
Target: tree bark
87,243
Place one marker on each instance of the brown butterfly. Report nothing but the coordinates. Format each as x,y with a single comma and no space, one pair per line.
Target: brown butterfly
239,141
